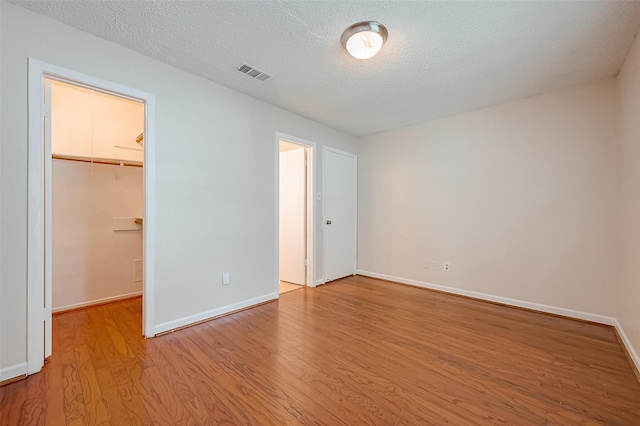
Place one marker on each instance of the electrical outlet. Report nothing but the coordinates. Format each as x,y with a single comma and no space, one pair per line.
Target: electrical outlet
446,267
225,278
425,263
434,265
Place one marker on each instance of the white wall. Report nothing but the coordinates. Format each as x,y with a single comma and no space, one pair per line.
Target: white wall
628,290
92,259
215,165
519,197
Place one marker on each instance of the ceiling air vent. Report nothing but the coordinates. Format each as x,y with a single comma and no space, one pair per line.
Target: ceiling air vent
254,72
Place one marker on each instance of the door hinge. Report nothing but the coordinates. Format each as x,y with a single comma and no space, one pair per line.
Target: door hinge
305,262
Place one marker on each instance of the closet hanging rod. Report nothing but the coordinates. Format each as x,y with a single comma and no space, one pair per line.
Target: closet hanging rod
97,160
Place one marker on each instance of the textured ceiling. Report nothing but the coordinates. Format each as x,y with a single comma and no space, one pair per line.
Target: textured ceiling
441,58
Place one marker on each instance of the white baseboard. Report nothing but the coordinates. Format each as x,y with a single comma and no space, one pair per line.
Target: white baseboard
320,282
96,302
586,316
627,343
192,319
13,371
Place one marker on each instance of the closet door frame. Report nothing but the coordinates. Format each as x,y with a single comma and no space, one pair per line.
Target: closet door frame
39,202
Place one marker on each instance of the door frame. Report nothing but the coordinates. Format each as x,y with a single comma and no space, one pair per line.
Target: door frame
37,208
326,149
310,272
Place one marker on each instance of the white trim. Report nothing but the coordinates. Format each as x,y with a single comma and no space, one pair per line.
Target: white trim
35,221
37,162
355,207
627,343
320,282
13,371
48,191
97,302
149,228
586,316
206,315
311,208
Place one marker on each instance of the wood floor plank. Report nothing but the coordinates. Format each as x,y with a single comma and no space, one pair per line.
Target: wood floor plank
12,401
355,351
277,383
326,374
174,391
262,409
116,410
373,384
201,373
91,392
299,375
72,390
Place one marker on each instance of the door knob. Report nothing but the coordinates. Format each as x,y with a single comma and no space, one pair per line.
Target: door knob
328,222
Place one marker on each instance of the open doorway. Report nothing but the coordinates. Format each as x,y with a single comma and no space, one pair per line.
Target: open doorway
84,168
97,201
295,214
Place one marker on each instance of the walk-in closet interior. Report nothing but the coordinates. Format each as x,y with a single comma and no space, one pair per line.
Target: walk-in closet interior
97,151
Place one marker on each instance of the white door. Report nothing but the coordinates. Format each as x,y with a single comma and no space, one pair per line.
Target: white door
47,223
339,222
293,182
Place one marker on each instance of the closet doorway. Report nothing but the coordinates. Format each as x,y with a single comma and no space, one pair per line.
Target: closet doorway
295,214
91,201
97,203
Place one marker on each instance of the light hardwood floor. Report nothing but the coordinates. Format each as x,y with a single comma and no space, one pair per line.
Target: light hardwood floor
286,287
356,351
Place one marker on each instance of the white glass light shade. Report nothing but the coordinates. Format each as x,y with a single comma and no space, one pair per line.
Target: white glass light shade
364,39
364,45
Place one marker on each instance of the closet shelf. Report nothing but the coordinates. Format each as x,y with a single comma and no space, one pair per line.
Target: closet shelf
97,160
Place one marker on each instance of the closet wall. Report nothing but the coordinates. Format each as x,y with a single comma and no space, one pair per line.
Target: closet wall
95,125
96,244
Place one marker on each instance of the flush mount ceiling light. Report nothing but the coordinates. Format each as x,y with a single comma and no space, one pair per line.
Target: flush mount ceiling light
364,39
